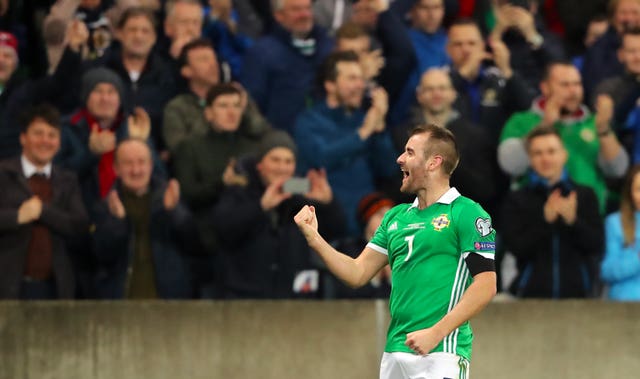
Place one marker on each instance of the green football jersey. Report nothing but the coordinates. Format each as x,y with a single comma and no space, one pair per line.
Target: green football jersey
426,250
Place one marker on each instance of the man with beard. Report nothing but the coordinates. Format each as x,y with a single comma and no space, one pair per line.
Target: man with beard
441,251
594,150
340,136
476,174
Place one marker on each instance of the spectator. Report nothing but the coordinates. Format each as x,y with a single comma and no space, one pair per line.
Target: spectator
389,67
205,164
601,59
279,69
596,28
476,175
222,29
530,44
40,208
341,137
183,24
620,268
624,89
264,254
552,226
184,114
16,93
594,151
429,40
141,231
488,94
148,80
90,137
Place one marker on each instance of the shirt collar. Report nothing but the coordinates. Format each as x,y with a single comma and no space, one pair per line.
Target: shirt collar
29,169
447,198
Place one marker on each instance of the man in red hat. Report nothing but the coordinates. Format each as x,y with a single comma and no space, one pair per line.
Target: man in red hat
8,58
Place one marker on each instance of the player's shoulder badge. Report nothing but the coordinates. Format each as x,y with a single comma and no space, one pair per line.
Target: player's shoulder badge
483,226
440,222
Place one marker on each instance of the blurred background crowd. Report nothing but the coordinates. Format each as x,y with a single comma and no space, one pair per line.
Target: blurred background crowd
159,149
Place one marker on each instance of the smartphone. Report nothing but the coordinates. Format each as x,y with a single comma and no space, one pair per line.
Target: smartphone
296,186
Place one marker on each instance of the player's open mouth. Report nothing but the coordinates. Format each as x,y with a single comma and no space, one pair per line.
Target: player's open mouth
405,174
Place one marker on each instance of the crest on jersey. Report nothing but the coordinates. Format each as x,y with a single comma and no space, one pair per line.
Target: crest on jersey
483,226
440,222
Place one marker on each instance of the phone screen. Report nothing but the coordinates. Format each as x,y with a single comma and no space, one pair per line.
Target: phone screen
296,186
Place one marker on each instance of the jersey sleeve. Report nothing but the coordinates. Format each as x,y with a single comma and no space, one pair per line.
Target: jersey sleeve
475,232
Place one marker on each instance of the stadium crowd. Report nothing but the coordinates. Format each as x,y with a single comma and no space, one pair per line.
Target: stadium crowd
160,148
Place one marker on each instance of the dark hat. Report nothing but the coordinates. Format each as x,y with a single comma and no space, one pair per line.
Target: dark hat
99,75
370,204
273,139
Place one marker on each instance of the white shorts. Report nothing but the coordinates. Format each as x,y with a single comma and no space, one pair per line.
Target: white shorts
432,366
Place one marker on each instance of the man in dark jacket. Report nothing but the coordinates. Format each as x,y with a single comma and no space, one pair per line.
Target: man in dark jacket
601,59
40,207
552,226
279,69
263,253
488,93
141,232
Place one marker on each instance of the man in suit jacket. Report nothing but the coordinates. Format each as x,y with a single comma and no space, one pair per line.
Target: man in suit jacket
40,207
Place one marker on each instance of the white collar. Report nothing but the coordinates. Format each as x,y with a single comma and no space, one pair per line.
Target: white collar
447,198
28,168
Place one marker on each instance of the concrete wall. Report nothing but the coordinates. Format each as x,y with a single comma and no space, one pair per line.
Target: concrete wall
192,340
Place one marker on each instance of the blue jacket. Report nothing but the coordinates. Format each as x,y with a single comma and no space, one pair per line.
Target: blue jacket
601,61
328,137
621,264
430,50
229,46
278,77
172,235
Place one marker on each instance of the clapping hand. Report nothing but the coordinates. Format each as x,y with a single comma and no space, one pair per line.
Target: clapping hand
139,124
319,190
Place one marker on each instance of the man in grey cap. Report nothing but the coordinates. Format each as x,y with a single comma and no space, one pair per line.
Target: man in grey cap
263,255
90,137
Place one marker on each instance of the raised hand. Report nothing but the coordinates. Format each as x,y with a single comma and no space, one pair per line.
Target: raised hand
552,206
501,57
30,210
307,222
77,35
101,141
116,208
230,177
139,124
319,190
273,195
604,112
171,195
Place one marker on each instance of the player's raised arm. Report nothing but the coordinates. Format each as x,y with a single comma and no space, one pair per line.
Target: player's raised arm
353,272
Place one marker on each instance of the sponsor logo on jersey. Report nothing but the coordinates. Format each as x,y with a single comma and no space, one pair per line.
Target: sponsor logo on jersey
393,226
417,225
480,246
587,135
483,226
440,222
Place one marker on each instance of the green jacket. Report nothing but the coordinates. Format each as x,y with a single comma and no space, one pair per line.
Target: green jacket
184,117
580,138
